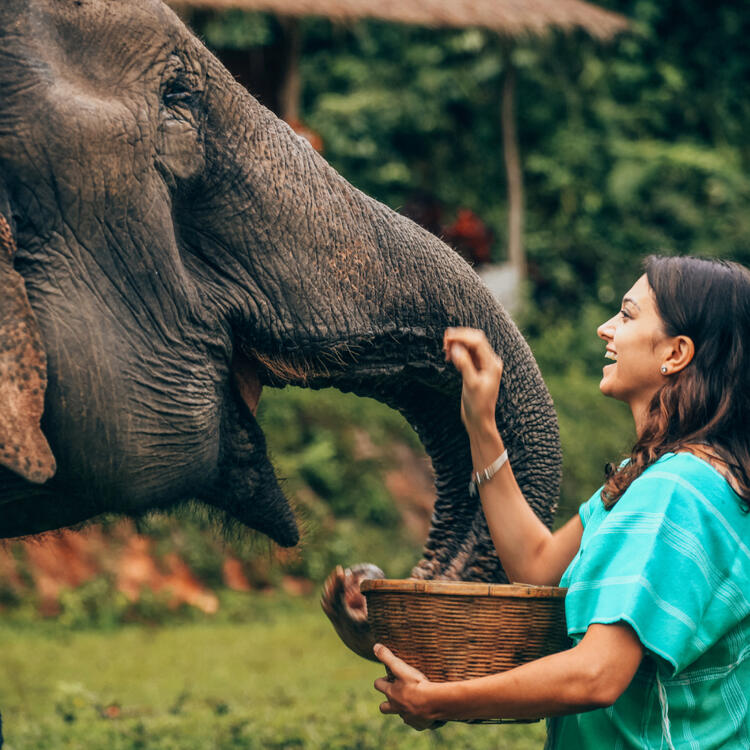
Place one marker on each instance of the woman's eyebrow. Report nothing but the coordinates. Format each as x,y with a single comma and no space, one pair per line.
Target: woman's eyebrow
630,300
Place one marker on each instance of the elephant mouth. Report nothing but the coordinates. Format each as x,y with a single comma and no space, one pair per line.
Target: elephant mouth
407,372
245,371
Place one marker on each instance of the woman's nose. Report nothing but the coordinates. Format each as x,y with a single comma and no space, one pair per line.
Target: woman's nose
606,330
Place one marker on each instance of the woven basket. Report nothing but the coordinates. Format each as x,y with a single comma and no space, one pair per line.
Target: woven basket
456,631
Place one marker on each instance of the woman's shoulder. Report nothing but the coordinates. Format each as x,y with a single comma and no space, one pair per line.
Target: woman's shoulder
686,467
677,483
685,483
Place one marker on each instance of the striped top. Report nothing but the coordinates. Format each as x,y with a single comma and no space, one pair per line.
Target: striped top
672,559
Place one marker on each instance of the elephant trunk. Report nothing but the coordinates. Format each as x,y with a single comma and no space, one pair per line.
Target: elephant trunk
428,394
328,287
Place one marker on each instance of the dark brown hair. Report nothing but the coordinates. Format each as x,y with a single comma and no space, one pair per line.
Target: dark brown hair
708,402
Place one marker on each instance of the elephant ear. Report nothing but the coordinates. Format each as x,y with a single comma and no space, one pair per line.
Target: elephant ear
23,374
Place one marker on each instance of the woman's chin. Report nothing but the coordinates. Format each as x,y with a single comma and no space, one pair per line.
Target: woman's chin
605,384
605,387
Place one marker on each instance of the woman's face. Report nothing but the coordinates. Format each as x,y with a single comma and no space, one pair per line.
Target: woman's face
637,346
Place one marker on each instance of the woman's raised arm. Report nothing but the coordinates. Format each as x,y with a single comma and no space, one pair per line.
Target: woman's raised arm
529,552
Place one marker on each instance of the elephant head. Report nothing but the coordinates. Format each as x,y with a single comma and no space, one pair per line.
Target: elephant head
171,248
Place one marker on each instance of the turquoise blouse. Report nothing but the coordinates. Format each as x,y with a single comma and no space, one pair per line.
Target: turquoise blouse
672,559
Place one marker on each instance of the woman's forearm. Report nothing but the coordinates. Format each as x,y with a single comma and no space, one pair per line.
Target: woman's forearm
545,687
519,536
591,675
529,552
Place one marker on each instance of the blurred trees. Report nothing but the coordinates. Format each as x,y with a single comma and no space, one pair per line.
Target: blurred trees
629,148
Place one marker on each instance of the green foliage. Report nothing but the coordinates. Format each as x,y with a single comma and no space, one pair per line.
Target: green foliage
333,450
635,148
237,30
393,139
313,437
93,603
628,148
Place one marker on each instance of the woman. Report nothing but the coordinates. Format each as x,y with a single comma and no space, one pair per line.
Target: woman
657,562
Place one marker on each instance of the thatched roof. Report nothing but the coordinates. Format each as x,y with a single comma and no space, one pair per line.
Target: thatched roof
508,17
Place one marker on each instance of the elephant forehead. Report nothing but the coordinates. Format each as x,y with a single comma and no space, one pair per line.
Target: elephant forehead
105,45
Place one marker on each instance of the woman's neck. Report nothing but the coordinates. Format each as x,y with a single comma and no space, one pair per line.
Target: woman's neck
640,417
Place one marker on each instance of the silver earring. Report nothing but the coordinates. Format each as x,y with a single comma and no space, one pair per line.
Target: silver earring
663,369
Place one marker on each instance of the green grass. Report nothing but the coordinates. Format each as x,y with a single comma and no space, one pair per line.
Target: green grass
277,678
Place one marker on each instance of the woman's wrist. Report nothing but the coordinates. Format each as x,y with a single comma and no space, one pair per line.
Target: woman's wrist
483,429
431,701
486,445
444,700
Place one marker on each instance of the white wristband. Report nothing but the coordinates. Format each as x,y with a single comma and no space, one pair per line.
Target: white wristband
486,474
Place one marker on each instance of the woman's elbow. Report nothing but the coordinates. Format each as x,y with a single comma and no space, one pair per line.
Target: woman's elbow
606,661
605,695
601,687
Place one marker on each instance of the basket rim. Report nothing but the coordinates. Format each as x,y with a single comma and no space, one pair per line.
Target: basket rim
461,588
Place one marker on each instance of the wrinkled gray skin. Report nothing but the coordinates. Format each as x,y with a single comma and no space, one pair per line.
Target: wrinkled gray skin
176,239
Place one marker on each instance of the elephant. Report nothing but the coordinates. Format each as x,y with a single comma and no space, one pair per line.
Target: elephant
168,248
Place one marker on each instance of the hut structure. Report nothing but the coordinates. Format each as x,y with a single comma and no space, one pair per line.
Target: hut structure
511,19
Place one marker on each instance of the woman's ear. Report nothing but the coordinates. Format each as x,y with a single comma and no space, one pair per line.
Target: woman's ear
680,355
23,372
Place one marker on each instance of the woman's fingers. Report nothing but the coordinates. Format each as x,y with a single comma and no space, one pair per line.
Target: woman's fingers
401,691
399,668
474,342
384,654
463,362
386,707
414,722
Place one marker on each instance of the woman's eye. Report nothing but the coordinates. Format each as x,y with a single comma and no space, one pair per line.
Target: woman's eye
625,314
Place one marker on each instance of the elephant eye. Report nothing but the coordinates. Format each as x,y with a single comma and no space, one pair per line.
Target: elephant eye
177,91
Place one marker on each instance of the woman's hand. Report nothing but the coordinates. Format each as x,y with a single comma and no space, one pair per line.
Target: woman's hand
407,692
481,369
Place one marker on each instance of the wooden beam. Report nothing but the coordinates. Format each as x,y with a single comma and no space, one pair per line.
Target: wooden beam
291,86
513,172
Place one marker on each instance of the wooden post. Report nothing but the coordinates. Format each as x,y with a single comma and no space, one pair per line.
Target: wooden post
514,175
291,86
